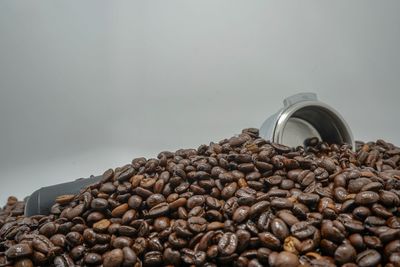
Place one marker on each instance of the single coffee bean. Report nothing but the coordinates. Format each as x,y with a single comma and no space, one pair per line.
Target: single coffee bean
158,210
92,259
65,199
120,210
153,258
345,253
241,214
279,229
286,259
130,257
281,203
99,204
227,244
368,258
366,198
197,224
269,240
302,230
113,258
18,251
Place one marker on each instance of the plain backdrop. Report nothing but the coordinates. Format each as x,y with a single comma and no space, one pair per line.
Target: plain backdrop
88,85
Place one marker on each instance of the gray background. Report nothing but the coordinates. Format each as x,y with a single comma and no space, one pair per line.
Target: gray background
87,85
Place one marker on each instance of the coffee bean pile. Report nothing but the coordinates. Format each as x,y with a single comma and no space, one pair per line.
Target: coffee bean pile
240,202
13,208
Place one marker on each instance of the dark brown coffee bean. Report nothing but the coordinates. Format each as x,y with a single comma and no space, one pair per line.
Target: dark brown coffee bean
366,198
279,229
197,224
269,240
126,174
281,203
302,230
357,241
74,238
287,217
159,210
368,258
392,247
107,188
227,244
161,223
18,251
286,259
389,199
65,199
191,257
153,258
77,252
345,253
113,258
63,261
75,211
120,210
92,259
172,257
195,201
155,199
309,199
241,214
258,208
229,190
48,229
305,178
130,257
101,226
99,204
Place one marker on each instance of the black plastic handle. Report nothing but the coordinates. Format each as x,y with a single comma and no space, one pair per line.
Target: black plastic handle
41,201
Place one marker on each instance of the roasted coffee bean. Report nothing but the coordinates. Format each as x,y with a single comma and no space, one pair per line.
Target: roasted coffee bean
269,240
120,210
259,207
77,252
366,198
130,257
158,210
18,251
99,204
241,214
368,258
281,203
153,258
113,258
345,253
286,259
279,229
65,199
302,230
389,199
92,259
63,260
227,244
48,229
197,224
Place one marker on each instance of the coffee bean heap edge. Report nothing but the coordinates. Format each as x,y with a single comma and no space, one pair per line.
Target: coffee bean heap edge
240,202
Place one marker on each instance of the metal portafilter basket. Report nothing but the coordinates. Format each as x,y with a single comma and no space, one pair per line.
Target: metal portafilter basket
301,117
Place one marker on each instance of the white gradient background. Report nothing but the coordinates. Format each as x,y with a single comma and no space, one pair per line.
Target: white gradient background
87,85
